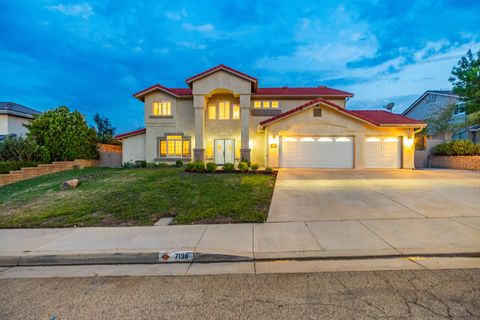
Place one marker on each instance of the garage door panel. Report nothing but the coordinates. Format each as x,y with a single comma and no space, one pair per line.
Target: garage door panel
382,152
317,152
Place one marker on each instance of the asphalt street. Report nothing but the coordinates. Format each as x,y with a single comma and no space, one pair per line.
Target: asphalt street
420,294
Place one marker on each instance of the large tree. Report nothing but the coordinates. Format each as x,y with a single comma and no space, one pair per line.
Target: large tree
105,130
465,79
65,134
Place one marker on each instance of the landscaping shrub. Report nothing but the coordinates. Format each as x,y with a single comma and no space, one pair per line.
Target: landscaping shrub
229,167
456,148
268,170
199,166
64,134
22,150
254,167
179,163
7,166
242,166
151,165
211,167
189,167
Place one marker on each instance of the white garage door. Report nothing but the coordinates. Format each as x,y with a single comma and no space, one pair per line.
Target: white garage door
382,152
317,152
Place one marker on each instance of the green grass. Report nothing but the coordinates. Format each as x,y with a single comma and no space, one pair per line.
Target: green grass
112,197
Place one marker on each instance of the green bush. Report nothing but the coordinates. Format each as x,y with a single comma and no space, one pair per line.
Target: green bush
179,163
229,167
22,150
211,167
242,166
268,170
190,167
199,166
65,134
7,166
456,148
254,167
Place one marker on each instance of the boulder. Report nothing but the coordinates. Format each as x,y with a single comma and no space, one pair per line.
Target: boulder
70,184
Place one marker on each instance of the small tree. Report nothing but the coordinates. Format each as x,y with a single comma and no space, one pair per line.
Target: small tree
465,79
64,134
441,121
105,130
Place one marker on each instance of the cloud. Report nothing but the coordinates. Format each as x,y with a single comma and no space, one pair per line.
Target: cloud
192,45
205,28
176,15
83,9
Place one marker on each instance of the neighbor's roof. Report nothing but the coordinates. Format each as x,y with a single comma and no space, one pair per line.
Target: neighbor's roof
130,134
375,117
448,93
16,109
226,69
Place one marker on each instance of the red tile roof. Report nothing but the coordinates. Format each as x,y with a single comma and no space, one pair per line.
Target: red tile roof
376,117
225,68
315,91
130,134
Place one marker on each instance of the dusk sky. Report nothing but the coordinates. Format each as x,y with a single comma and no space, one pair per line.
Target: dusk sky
93,55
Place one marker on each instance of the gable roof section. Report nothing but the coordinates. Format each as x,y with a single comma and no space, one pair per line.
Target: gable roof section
176,92
226,69
16,109
130,134
448,93
301,91
375,117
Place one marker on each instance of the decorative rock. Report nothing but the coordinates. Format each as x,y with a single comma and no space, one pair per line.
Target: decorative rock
70,184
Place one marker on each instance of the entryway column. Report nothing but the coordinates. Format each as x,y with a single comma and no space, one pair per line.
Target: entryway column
360,150
199,107
244,118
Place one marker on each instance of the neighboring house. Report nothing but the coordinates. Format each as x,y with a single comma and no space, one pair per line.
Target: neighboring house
224,116
432,102
12,118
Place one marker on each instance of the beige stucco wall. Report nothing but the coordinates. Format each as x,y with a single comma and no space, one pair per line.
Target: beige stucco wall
221,80
13,125
335,123
133,149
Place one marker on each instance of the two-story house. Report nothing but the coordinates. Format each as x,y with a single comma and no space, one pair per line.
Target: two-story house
224,116
13,117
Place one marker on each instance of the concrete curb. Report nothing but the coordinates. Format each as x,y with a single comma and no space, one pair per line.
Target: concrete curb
153,258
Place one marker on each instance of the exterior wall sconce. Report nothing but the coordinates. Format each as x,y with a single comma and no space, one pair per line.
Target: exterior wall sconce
273,145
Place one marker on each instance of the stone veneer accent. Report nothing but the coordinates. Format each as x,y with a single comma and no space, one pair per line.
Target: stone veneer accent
455,162
44,169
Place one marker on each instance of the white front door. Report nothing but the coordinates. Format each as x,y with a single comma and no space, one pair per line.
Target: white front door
382,152
224,151
317,152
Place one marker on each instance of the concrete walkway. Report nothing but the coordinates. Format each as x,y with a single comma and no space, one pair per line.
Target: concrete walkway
243,242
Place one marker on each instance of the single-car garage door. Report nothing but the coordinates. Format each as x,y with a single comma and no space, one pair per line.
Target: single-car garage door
317,152
381,152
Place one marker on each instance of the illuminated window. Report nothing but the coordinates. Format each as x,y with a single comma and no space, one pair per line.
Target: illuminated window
224,110
162,108
174,146
236,112
266,104
212,112
274,104
257,104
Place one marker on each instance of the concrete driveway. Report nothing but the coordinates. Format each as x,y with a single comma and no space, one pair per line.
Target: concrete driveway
320,194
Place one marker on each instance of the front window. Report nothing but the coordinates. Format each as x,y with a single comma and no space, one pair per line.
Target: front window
212,112
162,108
459,108
236,112
174,146
224,110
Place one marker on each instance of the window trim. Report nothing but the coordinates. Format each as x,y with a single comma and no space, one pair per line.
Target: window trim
160,107
183,139
226,115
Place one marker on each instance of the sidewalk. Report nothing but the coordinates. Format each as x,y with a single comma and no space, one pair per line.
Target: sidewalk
243,242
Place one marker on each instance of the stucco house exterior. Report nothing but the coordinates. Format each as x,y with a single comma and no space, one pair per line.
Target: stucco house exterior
225,116
12,118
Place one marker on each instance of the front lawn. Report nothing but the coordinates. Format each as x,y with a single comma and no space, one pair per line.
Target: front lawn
114,197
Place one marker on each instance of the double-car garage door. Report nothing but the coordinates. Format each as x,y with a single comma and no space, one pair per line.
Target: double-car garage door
338,152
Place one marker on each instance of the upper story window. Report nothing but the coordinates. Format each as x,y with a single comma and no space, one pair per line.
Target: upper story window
430,98
224,110
162,108
212,112
236,112
265,104
459,108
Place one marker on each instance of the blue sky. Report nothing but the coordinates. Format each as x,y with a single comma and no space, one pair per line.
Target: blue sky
93,55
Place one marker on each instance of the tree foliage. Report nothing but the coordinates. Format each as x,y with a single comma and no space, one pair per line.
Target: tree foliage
465,78
65,134
441,121
105,130
23,150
